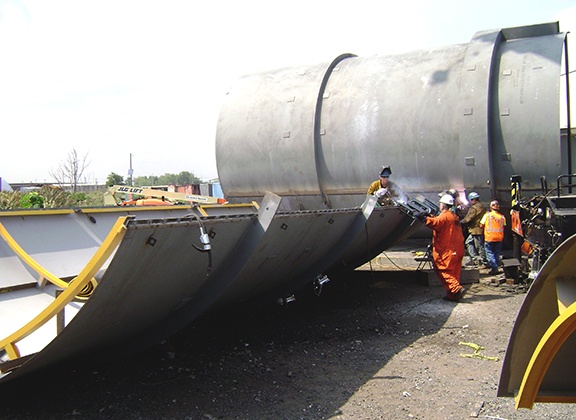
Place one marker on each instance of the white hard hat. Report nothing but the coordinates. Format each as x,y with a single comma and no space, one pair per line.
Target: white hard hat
447,199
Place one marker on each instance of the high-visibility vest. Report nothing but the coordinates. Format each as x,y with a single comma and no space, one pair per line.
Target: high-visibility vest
494,227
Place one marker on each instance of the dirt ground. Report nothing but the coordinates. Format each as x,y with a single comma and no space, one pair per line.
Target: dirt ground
376,344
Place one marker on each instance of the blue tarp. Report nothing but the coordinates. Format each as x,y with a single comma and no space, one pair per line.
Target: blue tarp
216,190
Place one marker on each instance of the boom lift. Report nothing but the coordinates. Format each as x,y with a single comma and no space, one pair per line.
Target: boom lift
136,196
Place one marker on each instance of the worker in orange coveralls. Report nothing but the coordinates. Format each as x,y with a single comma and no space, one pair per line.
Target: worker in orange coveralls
447,248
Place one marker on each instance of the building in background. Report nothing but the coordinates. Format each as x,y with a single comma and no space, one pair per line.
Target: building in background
4,186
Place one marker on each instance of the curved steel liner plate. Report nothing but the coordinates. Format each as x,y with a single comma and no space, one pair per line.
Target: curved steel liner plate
62,241
385,227
157,282
296,248
553,290
155,269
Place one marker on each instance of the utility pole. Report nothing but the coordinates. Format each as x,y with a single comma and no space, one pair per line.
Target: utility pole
131,172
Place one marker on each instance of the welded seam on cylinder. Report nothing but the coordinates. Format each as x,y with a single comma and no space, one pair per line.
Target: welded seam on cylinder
493,73
318,121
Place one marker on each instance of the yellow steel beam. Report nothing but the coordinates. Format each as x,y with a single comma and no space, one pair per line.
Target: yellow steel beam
106,249
37,212
130,209
202,208
558,332
24,256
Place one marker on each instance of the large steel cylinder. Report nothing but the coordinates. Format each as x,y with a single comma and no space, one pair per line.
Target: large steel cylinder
465,116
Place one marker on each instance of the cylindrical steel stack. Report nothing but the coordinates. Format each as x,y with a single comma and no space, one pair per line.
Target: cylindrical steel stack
465,116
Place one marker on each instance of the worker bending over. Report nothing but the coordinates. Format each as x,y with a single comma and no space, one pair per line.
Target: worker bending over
385,190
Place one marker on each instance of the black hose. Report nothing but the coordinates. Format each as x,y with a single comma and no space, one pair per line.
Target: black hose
203,249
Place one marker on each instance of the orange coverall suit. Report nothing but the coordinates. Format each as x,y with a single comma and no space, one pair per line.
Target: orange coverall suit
447,249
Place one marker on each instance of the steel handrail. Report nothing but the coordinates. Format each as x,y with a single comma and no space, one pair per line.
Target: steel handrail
569,185
106,249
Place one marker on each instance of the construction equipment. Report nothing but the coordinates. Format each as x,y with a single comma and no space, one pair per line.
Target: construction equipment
125,195
538,364
542,222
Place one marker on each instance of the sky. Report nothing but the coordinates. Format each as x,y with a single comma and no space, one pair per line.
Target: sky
142,81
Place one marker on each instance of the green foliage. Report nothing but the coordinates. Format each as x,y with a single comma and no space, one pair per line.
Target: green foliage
32,200
50,197
114,179
93,199
183,178
78,197
10,200
187,178
146,181
54,197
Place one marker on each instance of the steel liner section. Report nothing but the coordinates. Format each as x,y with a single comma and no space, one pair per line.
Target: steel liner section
160,278
464,116
526,114
206,297
65,249
154,271
296,248
551,293
385,227
395,110
61,241
277,113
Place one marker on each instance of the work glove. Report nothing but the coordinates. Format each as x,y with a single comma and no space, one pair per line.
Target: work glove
421,216
380,193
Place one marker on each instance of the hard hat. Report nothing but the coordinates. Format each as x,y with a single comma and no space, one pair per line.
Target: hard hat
473,196
494,205
453,193
385,171
447,199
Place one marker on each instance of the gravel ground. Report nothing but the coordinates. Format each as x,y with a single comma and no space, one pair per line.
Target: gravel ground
374,345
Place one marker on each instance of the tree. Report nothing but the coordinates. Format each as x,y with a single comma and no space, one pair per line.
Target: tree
71,170
183,178
167,179
187,178
146,180
114,179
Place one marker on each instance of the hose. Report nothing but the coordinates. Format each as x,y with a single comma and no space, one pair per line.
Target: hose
205,240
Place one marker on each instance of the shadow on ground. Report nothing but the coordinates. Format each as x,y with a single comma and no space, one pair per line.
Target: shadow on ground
300,360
